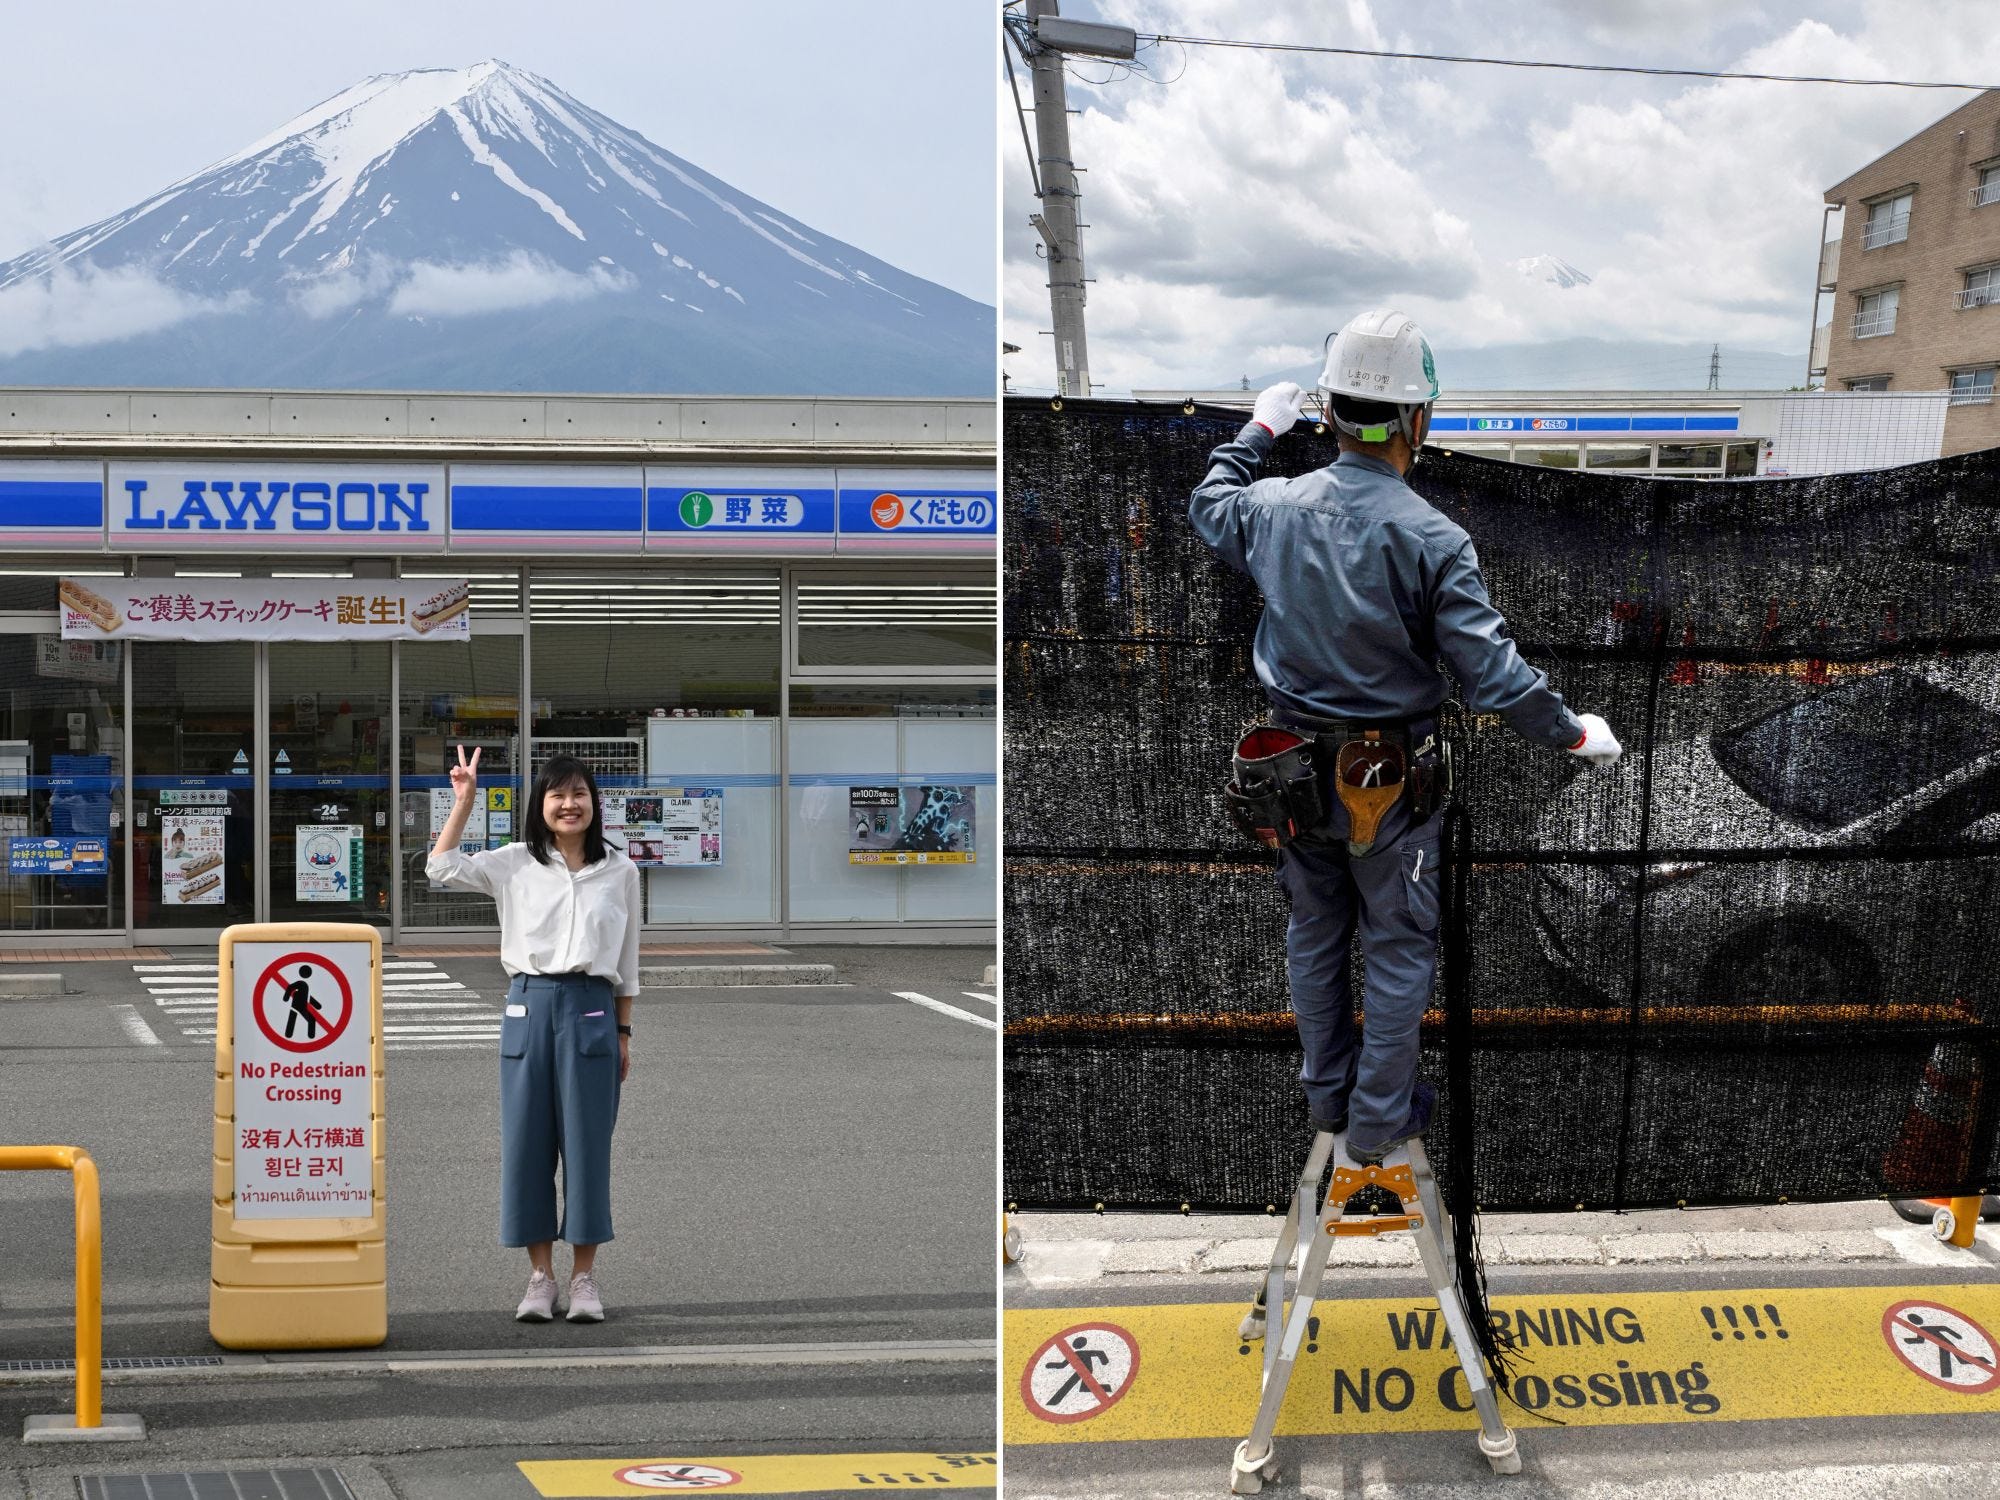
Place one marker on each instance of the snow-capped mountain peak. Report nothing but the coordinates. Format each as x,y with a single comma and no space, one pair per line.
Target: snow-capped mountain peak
446,193
1552,269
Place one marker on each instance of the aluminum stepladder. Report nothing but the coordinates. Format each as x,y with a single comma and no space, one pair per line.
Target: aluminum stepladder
1311,1225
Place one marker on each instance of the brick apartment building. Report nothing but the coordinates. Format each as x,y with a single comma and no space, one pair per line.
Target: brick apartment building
1914,275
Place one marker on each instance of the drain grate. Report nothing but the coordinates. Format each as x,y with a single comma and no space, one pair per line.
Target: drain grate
217,1484
142,1362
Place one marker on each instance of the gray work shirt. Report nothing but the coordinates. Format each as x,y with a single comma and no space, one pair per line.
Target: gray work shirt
1365,587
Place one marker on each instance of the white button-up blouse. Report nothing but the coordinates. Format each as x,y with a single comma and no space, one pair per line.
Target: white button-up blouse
554,920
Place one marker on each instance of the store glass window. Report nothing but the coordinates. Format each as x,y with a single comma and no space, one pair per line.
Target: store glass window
457,693
667,684
940,618
62,768
892,805
1548,458
1740,460
1690,455
1618,456
32,589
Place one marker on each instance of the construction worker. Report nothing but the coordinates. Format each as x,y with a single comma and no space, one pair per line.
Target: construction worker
1366,587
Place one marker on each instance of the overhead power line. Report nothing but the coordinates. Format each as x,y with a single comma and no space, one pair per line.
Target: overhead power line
1571,67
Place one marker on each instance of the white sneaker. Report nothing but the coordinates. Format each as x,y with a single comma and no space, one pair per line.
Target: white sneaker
539,1305
585,1306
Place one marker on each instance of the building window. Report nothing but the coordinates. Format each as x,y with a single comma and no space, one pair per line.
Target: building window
1740,462
1869,383
1972,387
1982,286
1988,190
1691,456
1548,458
1888,222
1876,315
1618,456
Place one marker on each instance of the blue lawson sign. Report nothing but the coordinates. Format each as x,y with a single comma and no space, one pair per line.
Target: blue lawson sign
58,856
563,508
740,509
336,507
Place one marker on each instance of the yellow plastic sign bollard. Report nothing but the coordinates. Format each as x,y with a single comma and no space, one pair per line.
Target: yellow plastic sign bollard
298,1257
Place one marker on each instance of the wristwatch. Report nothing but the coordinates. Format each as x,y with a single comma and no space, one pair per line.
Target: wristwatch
624,1030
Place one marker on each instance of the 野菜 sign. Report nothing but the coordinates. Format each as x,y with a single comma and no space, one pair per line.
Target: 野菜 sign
265,609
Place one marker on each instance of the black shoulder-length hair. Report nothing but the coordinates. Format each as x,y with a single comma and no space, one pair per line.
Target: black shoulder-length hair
561,771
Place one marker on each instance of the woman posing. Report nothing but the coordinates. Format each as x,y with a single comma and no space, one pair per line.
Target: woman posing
569,935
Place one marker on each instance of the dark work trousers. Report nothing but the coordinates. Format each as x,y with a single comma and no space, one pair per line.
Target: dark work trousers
558,1099
1388,896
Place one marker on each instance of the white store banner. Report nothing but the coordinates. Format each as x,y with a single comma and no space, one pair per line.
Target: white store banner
304,1014
265,609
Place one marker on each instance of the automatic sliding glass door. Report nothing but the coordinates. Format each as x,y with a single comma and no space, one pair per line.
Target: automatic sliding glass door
194,836
327,760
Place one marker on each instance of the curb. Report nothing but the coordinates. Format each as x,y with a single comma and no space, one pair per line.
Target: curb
24,986
992,976
1068,1262
710,976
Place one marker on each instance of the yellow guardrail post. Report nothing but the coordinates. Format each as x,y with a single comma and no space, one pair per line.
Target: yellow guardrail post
89,1424
1964,1220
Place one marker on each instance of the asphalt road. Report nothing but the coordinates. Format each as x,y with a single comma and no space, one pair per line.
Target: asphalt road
793,1166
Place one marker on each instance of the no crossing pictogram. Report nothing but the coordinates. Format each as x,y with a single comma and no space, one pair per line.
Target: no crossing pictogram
678,1476
1080,1372
1944,1346
302,1002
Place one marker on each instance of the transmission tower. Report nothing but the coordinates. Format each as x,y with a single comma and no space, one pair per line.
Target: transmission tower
1714,367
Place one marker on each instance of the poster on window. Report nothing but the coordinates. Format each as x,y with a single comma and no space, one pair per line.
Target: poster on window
58,856
191,868
913,825
676,827
327,866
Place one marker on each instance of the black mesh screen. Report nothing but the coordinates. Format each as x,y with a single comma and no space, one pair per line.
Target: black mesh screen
1755,960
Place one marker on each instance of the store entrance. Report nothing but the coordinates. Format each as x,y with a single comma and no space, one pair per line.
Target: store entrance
260,785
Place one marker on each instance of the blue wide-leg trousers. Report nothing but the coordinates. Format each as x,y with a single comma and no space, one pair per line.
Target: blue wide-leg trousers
558,1102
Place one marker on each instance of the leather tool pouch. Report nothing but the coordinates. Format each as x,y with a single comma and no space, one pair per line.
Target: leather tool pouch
1369,774
1274,795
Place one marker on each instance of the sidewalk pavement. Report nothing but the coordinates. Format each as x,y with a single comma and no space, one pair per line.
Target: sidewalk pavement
1068,1250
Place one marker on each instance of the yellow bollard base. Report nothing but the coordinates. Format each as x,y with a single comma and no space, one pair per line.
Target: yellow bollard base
116,1427
294,1317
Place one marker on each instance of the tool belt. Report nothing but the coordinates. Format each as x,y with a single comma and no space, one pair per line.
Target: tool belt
1278,792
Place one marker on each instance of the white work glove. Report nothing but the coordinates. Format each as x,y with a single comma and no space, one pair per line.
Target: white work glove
1278,407
1599,745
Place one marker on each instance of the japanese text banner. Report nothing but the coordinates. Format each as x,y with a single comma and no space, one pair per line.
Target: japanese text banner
265,609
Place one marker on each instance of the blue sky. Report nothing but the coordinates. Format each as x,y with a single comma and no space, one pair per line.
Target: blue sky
873,124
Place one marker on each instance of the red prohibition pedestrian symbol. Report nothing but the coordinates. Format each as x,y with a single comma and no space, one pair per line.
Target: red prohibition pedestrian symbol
1080,1373
302,1002
678,1477
1944,1346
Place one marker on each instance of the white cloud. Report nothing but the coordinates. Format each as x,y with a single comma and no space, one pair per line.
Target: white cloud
78,305
1242,207
520,280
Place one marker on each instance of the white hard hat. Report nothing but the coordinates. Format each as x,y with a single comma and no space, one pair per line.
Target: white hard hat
1380,356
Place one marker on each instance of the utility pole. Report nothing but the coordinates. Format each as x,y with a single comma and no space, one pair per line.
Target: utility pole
1714,366
1048,37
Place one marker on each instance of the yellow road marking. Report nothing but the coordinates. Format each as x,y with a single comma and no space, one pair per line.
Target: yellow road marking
1601,1359
764,1474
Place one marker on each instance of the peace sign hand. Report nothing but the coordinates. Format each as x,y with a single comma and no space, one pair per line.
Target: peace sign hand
465,775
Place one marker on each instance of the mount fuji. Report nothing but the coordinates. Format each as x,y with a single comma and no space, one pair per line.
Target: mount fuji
476,229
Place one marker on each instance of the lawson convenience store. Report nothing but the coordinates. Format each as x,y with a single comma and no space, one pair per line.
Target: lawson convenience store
232,672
